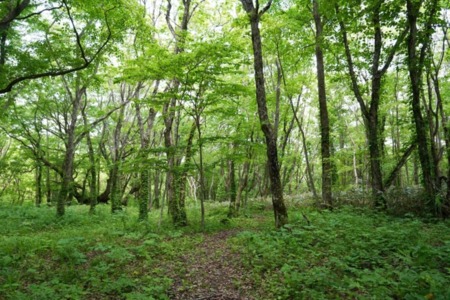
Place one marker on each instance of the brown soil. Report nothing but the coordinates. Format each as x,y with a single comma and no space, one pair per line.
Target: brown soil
212,272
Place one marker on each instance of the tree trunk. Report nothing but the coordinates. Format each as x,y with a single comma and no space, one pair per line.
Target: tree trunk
92,169
433,129
144,178
446,127
243,181
38,195
202,172
309,176
66,190
116,191
232,212
176,209
415,68
157,189
181,219
280,212
370,112
324,121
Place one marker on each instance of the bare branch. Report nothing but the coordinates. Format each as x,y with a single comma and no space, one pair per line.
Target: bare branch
77,35
39,12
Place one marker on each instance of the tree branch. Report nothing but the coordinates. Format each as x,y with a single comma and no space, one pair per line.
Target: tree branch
39,12
266,8
77,35
169,24
14,13
54,73
94,123
391,55
351,68
400,163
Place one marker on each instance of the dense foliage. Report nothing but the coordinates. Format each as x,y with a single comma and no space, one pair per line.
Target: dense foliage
127,127
351,254
161,102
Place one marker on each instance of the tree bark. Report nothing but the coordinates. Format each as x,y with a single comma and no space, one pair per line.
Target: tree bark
176,208
445,125
243,182
232,212
180,219
38,196
309,175
144,176
415,68
66,190
116,191
92,168
202,172
280,211
324,121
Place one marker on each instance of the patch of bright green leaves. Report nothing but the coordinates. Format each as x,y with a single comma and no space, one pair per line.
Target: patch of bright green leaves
350,254
84,256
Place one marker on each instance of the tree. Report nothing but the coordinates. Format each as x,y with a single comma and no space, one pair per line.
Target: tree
324,121
376,70
254,15
176,205
145,130
29,17
416,63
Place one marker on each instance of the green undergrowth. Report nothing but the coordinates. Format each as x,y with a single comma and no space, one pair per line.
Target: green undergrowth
100,256
350,254
347,254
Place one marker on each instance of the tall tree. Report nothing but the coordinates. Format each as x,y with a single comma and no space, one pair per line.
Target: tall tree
416,63
324,120
70,143
176,207
373,11
254,15
145,129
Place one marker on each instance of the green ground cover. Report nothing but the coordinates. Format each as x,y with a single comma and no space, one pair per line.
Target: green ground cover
347,253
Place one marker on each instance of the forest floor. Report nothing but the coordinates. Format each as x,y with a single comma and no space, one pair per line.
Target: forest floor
212,272
349,253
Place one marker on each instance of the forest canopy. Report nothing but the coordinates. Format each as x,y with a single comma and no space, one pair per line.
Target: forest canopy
165,103
224,149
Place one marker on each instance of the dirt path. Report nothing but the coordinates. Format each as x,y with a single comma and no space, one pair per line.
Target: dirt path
212,272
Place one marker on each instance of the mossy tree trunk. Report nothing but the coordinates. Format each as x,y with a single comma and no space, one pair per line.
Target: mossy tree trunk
416,62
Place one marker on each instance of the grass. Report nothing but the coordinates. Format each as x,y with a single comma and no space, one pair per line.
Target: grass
347,254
